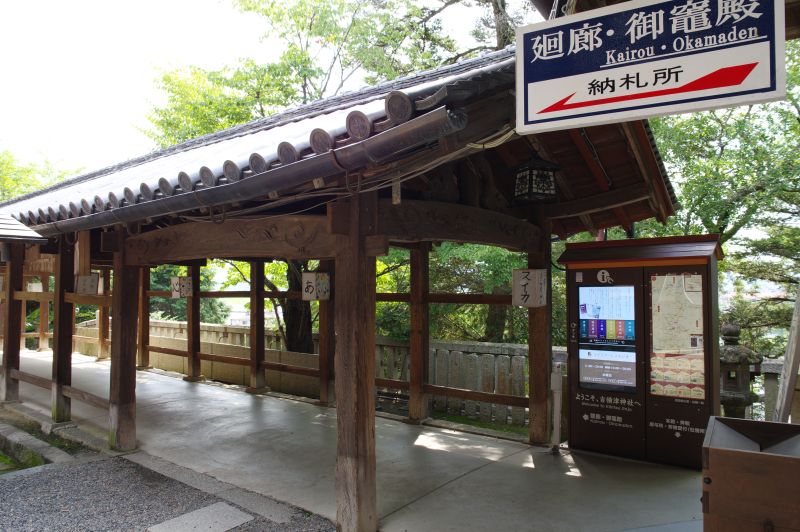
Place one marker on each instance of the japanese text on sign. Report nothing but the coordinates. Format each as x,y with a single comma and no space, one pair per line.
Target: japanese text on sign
529,288
648,57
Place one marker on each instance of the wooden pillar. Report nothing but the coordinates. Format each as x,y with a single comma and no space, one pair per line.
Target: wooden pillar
419,341
102,316
124,307
257,378
540,348
9,386
23,320
44,315
144,319
63,324
193,326
355,371
327,341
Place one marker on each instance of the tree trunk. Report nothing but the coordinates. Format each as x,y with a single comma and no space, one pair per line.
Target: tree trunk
496,319
504,33
297,313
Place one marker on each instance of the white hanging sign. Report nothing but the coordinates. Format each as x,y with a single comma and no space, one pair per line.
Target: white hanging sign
316,286
529,288
180,287
86,285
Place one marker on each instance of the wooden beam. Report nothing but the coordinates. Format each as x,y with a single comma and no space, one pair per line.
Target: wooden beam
12,318
44,315
83,253
540,350
257,355
30,378
102,315
419,341
122,396
24,295
414,221
88,299
193,326
327,340
473,395
601,202
290,237
143,362
168,351
63,329
356,507
580,137
86,397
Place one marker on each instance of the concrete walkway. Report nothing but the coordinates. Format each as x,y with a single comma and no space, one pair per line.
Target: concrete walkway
428,478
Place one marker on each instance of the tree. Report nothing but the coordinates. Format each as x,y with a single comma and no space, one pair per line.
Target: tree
211,310
17,178
737,172
325,45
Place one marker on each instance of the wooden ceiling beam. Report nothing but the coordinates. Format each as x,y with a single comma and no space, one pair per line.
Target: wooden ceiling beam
581,140
415,221
608,200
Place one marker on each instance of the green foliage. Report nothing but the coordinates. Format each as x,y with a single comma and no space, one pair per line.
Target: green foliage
17,178
328,42
737,172
203,101
211,310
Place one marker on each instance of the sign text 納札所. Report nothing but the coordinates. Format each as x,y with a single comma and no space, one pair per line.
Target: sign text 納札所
646,58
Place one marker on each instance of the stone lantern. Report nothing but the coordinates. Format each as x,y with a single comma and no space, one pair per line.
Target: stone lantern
734,369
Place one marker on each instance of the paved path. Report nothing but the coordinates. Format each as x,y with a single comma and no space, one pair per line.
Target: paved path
428,478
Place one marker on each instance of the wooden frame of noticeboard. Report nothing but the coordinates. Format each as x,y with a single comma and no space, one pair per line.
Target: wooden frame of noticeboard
643,356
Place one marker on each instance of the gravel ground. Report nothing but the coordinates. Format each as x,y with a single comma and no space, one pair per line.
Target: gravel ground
112,494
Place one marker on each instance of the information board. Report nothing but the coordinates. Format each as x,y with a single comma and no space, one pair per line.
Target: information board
677,352
607,337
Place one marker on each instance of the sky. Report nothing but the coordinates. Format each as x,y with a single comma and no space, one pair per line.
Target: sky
79,76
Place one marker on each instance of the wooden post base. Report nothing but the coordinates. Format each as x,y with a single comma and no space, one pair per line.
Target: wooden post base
263,389
199,378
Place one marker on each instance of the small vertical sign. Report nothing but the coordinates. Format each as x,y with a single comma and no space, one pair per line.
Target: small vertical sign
180,287
316,286
529,288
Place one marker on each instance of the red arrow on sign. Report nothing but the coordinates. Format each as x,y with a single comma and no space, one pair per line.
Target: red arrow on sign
724,77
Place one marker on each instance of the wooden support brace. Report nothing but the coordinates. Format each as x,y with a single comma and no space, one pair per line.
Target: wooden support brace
143,361
356,508
540,349
193,326
12,317
257,355
122,395
419,341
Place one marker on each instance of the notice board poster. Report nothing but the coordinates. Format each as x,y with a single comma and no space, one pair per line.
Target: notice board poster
677,354
607,337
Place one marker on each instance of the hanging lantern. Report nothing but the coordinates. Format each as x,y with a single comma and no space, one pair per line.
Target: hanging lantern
536,181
